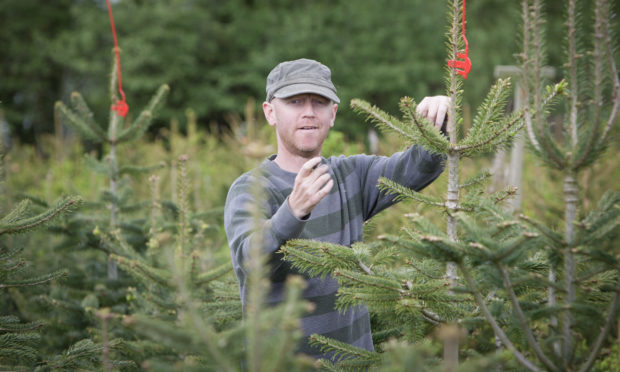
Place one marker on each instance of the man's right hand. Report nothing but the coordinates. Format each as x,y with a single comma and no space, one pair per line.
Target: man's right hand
312,184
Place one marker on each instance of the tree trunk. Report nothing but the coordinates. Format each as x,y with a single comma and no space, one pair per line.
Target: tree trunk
451,346
570,217
113,162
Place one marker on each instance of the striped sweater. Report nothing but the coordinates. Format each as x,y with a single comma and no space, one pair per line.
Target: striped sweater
338,218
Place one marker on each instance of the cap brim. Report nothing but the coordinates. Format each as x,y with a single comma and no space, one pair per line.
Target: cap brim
295,89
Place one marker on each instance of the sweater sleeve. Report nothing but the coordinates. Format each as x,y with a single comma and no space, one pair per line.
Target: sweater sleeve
243,229
415,168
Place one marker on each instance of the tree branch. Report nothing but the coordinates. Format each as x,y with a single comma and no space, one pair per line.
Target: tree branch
525,79
425,273
611,311
597,56
495,135
572,72
524,326
44,217
365,268
420,127
591,274
431,317
496,328
616,82
548,233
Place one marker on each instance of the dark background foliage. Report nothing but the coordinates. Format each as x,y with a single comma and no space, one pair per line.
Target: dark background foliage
215,54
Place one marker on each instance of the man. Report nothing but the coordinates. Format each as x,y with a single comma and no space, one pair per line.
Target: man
310,197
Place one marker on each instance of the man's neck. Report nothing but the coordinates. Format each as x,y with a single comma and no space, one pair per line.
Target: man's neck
291,163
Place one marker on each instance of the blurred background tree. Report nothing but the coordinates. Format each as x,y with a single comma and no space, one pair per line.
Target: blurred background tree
216,54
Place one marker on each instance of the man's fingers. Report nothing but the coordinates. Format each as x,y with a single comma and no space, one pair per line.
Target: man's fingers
309,182
309,190
309,166
327,188
441,116
310,178
313,187
322,181
432,113
422,108
434,109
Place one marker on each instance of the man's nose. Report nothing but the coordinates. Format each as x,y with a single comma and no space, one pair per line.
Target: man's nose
308,108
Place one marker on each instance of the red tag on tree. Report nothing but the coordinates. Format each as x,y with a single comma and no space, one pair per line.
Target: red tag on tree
463,66
119,106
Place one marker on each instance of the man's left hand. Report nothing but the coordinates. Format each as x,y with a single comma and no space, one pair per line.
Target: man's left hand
434,109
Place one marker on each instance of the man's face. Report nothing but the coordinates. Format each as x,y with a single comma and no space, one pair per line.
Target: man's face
302,123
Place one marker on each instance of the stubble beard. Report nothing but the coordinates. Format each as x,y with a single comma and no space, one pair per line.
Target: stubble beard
306,151
297,147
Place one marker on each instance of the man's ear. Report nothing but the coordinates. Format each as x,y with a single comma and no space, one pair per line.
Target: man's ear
269,113
335,108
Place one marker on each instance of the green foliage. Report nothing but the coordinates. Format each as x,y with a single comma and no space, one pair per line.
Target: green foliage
188,309
230,46
75,306
138,127
85,354
488,119
84,127
336,144
402,193
18,340
30,79
415,128
600,227
63,308
319,259
175,286
19,220
504,270
610,361
341,350
81,119
173,311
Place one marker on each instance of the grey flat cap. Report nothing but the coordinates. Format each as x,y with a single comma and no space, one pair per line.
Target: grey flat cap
298,77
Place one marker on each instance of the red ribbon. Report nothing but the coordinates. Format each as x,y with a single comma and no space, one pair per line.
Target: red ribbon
462,66
120,106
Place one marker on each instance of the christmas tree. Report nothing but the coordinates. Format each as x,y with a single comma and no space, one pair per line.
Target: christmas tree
582,269
175,304
78,311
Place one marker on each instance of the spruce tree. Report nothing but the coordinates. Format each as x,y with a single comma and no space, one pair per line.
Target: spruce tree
95,285
583,272
119,131
402,278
